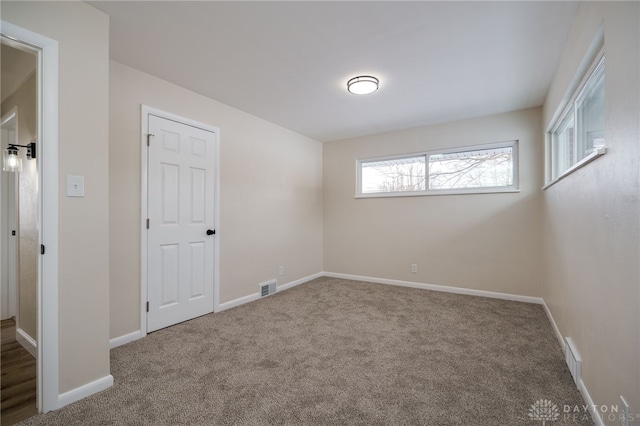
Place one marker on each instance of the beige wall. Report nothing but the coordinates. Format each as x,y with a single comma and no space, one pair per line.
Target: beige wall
591,218
25,99
483,241
83,36
270,193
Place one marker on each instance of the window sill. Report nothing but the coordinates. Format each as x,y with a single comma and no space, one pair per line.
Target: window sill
599,152
440,192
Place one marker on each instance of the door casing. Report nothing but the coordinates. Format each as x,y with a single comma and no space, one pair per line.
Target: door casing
46,51
9,223
144,167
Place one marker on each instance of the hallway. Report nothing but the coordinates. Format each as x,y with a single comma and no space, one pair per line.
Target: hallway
18,393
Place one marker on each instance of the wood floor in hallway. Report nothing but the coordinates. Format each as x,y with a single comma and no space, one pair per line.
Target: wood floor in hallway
18,380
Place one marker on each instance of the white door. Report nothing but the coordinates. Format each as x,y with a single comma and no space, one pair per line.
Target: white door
181,219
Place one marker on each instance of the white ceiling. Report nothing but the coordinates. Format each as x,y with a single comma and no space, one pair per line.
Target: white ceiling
288,62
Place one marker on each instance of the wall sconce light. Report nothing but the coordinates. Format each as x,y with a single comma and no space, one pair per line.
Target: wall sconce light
363,85
11,161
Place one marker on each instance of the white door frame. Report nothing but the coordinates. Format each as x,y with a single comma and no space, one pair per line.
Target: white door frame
144,188
46,51
8,244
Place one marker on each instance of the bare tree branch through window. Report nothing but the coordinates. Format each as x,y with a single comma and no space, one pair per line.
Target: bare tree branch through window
478,168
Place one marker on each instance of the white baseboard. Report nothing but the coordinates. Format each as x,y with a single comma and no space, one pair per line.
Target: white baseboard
556,330
593,410
123,340
298,282
85,390
237,302
256,296
27,342
443,288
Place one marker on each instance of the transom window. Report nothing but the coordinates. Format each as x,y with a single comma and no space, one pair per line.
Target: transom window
478,169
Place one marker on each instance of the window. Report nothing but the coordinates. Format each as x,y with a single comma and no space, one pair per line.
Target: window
395,175
479,169
578,136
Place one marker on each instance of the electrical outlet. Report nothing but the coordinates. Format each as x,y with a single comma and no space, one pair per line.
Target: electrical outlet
280,270
414,268
624,414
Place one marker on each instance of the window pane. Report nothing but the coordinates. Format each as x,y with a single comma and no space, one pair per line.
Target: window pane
397,175
590,115
580,130
564,155
481,168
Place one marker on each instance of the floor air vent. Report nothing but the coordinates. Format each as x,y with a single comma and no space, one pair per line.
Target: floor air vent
573,361
267,288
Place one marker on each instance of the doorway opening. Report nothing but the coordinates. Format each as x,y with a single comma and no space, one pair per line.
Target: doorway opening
19,234
29,238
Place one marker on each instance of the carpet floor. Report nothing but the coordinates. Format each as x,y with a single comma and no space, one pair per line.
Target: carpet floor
339,352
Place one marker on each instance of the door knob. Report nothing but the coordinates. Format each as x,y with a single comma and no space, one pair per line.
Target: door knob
211,231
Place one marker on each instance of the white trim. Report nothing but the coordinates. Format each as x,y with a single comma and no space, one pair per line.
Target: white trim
255,296
47,289
27,342
8,246
13,113
597,152
302,280
85,390
237,302
594,50
443,288
556,330
595,416
144,189
145,111
484,190
577,88
124,339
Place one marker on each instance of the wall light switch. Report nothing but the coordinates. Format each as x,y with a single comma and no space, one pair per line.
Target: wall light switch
75,186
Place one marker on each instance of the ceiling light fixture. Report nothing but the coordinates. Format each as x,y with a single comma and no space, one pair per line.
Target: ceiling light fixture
362,85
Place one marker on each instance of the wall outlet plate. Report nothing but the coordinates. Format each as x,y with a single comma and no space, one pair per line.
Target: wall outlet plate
414,268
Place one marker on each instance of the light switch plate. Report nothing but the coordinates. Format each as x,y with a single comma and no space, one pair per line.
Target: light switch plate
75,186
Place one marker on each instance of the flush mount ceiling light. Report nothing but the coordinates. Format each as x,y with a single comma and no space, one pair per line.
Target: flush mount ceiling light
362,85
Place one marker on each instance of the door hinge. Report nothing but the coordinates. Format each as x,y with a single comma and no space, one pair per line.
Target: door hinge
41,248
149,135
147,223
147,306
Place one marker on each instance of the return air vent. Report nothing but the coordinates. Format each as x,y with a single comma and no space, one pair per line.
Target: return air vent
267,288
573,361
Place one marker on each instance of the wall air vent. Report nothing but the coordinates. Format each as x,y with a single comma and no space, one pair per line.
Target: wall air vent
267,288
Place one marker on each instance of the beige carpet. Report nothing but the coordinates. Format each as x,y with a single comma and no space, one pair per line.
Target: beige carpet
338,352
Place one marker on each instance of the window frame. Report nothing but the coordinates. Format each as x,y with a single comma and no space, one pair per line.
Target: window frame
572,106
513,188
